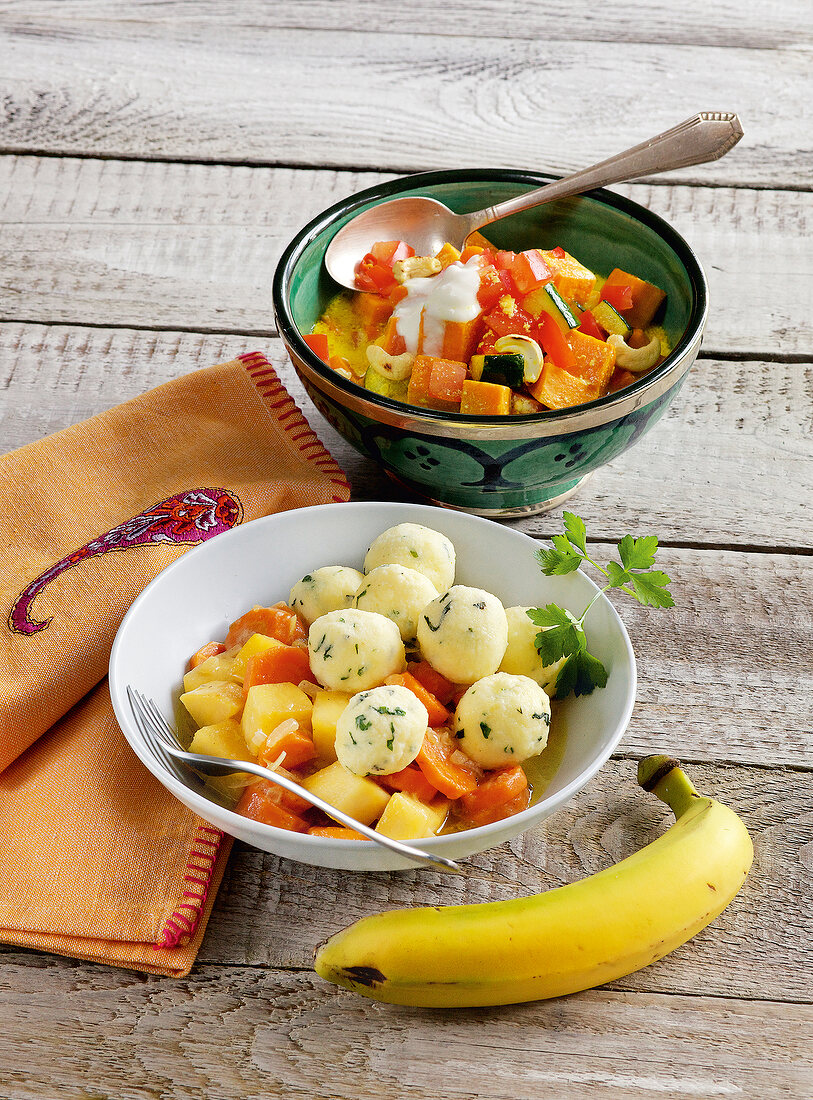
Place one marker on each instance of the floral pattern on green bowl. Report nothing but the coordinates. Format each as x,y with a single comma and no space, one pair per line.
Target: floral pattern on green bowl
501,466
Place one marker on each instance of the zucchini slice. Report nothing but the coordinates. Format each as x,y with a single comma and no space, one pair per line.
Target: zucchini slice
610,320
504,370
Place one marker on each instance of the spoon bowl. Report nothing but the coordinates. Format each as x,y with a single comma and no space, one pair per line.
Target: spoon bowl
426,224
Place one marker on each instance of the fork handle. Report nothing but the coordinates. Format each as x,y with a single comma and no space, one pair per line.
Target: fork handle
417,854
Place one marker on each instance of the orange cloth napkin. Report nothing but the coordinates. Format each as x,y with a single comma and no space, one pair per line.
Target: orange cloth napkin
97,860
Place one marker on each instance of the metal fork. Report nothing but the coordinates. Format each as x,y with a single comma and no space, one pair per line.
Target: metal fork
160,737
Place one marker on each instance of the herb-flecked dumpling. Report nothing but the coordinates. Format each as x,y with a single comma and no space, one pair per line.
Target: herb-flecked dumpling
350,650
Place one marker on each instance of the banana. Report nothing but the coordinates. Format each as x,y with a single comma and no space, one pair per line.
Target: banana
571,938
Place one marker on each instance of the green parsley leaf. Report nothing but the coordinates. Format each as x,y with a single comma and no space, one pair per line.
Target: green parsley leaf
560,636
575,531
638,553
650,588
581,673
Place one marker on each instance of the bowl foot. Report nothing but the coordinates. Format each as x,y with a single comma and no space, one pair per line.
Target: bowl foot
531,509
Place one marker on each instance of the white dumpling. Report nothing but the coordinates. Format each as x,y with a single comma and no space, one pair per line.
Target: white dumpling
327,589
503,720
416,547
521,656
350,650
463,634
381,731
399,593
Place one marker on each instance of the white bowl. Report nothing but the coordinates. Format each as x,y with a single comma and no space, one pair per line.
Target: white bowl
195,599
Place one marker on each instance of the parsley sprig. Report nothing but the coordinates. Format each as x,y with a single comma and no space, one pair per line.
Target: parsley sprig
561,633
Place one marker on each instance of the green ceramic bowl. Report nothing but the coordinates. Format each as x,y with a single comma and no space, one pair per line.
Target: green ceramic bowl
491,465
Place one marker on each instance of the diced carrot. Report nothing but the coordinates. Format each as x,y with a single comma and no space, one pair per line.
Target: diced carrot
460,339
283,664
261,803
469,251
412,780
391,340
298,747
448,254
279,621
418,388
477,239
485,399
432,680
646,297
373,309
449,776
557,389
621,378
211,649
318,343
573,281
498,787
446,381
338,362
500,812
594,360
337,832
438,714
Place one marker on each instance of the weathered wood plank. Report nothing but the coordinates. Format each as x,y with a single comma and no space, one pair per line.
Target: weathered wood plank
692,23
195,246
129,87
684,481
234,1033
757,949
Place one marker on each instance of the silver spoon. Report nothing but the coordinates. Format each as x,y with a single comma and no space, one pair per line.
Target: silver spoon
426,224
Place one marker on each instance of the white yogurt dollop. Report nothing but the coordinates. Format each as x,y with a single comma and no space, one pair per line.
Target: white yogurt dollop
448,296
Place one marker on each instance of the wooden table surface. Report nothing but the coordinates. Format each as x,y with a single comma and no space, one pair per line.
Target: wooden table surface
154,159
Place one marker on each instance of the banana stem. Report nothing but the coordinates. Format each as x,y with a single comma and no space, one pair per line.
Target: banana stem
664,776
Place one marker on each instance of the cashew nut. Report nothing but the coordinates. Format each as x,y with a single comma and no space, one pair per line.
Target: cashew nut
528,349
415,267
635,359
394,367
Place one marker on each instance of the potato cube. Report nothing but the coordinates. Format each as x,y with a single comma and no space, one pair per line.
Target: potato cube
219,667
269,704
359,797
257,643
222,739
327,706
407,818
213,702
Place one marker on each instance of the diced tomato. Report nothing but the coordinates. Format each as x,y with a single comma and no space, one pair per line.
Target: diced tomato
446,380
491,289
590,326
389,252
504,260
553,342
530,271
318,343
559,252
509,318
619,297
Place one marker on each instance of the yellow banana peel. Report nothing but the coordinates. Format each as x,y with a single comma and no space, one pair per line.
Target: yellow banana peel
571,938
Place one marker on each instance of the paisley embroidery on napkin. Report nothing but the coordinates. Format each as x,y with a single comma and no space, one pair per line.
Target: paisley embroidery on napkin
190,517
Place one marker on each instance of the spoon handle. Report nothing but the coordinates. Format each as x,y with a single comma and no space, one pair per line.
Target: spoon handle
703,137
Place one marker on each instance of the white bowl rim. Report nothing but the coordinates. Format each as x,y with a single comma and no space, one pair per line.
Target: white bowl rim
216,814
